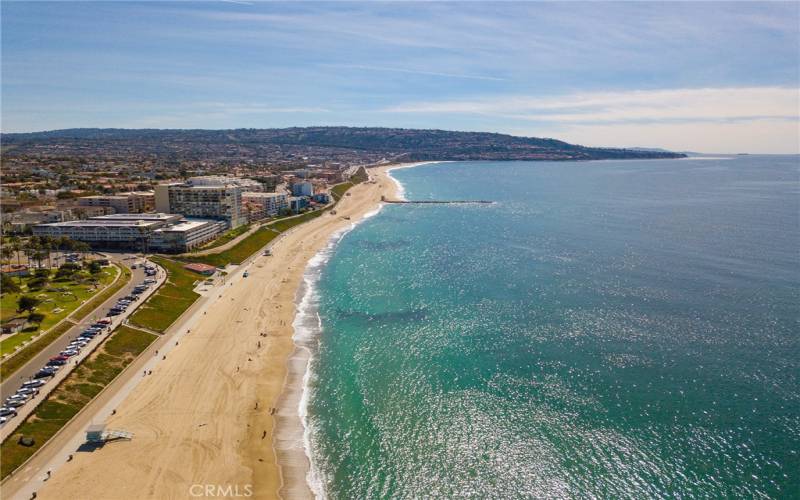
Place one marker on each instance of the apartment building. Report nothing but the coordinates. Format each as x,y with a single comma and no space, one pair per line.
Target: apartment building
153,232
272,203
211,197
133,202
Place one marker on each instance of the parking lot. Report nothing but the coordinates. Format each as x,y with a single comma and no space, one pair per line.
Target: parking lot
22,392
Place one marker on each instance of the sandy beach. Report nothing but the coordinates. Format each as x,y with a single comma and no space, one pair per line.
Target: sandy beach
204,420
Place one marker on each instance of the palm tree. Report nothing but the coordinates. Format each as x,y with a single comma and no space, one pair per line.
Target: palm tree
6,252
16,246
31,249
82,247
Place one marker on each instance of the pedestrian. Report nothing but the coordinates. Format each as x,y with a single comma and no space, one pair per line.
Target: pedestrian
264,435
163,358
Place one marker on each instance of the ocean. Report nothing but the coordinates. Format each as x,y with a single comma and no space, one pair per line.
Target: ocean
606,329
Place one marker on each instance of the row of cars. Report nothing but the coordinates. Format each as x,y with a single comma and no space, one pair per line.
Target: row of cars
122,304
30,389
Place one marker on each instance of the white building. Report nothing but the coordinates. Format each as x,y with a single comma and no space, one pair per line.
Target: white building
140,232
211,197
272,203
109,231
122,203
185,235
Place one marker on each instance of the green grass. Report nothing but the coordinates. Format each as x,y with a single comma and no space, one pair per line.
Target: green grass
226,237
360,176
59,294
240,251
75,392
14,363
171,300
338,190
104,295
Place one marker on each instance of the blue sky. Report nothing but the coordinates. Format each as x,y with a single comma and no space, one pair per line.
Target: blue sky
712,77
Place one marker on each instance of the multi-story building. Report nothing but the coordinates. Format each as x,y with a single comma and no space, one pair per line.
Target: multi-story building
110,231
273,203
185,235
134,202
143,232
302,189
211,197
297,203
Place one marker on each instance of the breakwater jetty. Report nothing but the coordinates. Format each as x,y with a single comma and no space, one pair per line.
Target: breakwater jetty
438,202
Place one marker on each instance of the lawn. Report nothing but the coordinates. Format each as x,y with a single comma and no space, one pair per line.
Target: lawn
227,236
338,190
239,251
75,392
171,300
12,364
58,299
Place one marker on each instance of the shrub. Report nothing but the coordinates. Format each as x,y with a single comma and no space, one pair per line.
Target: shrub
37,283
27,303
36,317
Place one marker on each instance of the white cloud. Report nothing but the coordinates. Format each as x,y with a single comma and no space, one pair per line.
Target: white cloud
704,104
753,136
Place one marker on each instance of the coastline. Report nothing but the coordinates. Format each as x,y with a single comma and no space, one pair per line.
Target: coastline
292,435
205,415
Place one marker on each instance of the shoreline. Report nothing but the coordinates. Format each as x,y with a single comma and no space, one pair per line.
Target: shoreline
292,435
207,413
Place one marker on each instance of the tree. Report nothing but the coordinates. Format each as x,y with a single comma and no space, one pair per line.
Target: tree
36,317
6,252
95,267
8,285
37,283
27,303
82,247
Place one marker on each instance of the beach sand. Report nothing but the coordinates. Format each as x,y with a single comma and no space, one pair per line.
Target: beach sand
203,421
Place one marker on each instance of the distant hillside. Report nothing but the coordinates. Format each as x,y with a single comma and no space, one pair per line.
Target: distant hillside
369,144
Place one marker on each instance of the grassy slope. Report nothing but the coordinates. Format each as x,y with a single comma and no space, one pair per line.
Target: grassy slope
70,303
69,298
80,386
171,300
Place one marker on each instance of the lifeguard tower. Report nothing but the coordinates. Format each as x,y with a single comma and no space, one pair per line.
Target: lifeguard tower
98,434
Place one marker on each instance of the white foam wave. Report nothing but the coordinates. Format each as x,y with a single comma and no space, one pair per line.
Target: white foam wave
401,190
308,328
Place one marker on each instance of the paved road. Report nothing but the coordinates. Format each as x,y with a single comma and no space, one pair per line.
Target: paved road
30,477
11,384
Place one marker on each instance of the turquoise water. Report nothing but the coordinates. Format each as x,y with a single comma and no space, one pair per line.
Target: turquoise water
615,329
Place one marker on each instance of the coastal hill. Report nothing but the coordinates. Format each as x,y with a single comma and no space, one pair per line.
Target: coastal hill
345,144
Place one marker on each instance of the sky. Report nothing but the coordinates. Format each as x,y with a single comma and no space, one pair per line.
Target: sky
708,77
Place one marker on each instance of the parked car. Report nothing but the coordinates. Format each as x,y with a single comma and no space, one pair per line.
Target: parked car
44,373
15,403
7,412
104,321
33,383
114,312
134,266
28,391
70,352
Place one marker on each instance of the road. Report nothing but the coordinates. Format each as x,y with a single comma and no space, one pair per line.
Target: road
10,385
55,454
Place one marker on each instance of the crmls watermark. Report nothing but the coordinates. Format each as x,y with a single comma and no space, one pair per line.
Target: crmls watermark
221,490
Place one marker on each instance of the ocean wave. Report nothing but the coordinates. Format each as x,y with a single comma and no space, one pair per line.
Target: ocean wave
401,190
308,328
